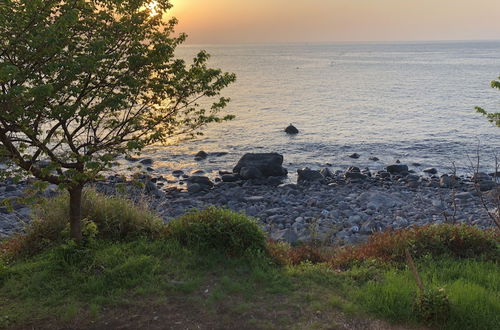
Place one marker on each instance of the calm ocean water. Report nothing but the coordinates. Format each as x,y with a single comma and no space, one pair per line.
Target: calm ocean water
408,101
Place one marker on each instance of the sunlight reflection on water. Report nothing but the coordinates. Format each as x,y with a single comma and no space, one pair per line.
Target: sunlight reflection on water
408,101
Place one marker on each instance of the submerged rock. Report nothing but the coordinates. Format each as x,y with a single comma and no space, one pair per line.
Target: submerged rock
200,155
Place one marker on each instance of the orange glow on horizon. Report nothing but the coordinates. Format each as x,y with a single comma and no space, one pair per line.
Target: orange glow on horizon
231,21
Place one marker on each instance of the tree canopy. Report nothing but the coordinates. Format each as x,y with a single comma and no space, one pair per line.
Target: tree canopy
84,81
493,117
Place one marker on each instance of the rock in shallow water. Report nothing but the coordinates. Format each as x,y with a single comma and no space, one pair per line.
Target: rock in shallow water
269,164
291,130
200,155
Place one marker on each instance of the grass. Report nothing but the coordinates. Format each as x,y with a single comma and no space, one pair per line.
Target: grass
473,288
213,268
116,218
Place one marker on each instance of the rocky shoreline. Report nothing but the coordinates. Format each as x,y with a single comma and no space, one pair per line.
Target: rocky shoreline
341,207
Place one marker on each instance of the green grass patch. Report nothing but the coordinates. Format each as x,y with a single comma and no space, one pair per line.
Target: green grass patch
472,286
218,262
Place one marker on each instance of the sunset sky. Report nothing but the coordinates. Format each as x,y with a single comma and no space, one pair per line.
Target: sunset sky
243,21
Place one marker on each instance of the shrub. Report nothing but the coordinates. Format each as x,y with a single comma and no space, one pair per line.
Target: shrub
460,241
433,306
108,217
284,254
216,229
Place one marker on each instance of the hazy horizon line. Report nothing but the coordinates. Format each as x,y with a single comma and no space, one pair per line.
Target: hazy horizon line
187,43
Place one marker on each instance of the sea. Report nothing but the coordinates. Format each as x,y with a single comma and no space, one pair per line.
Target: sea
407,101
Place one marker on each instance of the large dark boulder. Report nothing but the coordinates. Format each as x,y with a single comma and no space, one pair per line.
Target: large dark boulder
269,164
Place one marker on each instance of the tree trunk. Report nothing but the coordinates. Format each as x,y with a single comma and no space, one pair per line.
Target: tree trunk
75,212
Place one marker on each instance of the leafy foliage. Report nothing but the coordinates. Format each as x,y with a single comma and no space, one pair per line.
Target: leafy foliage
493,117
84,81
215,229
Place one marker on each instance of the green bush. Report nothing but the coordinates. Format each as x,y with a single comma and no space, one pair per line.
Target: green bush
105,217
218,229
433,306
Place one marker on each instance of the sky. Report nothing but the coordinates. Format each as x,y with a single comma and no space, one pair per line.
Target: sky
257,21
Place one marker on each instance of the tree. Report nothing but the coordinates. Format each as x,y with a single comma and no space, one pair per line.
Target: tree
493,117
84,81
